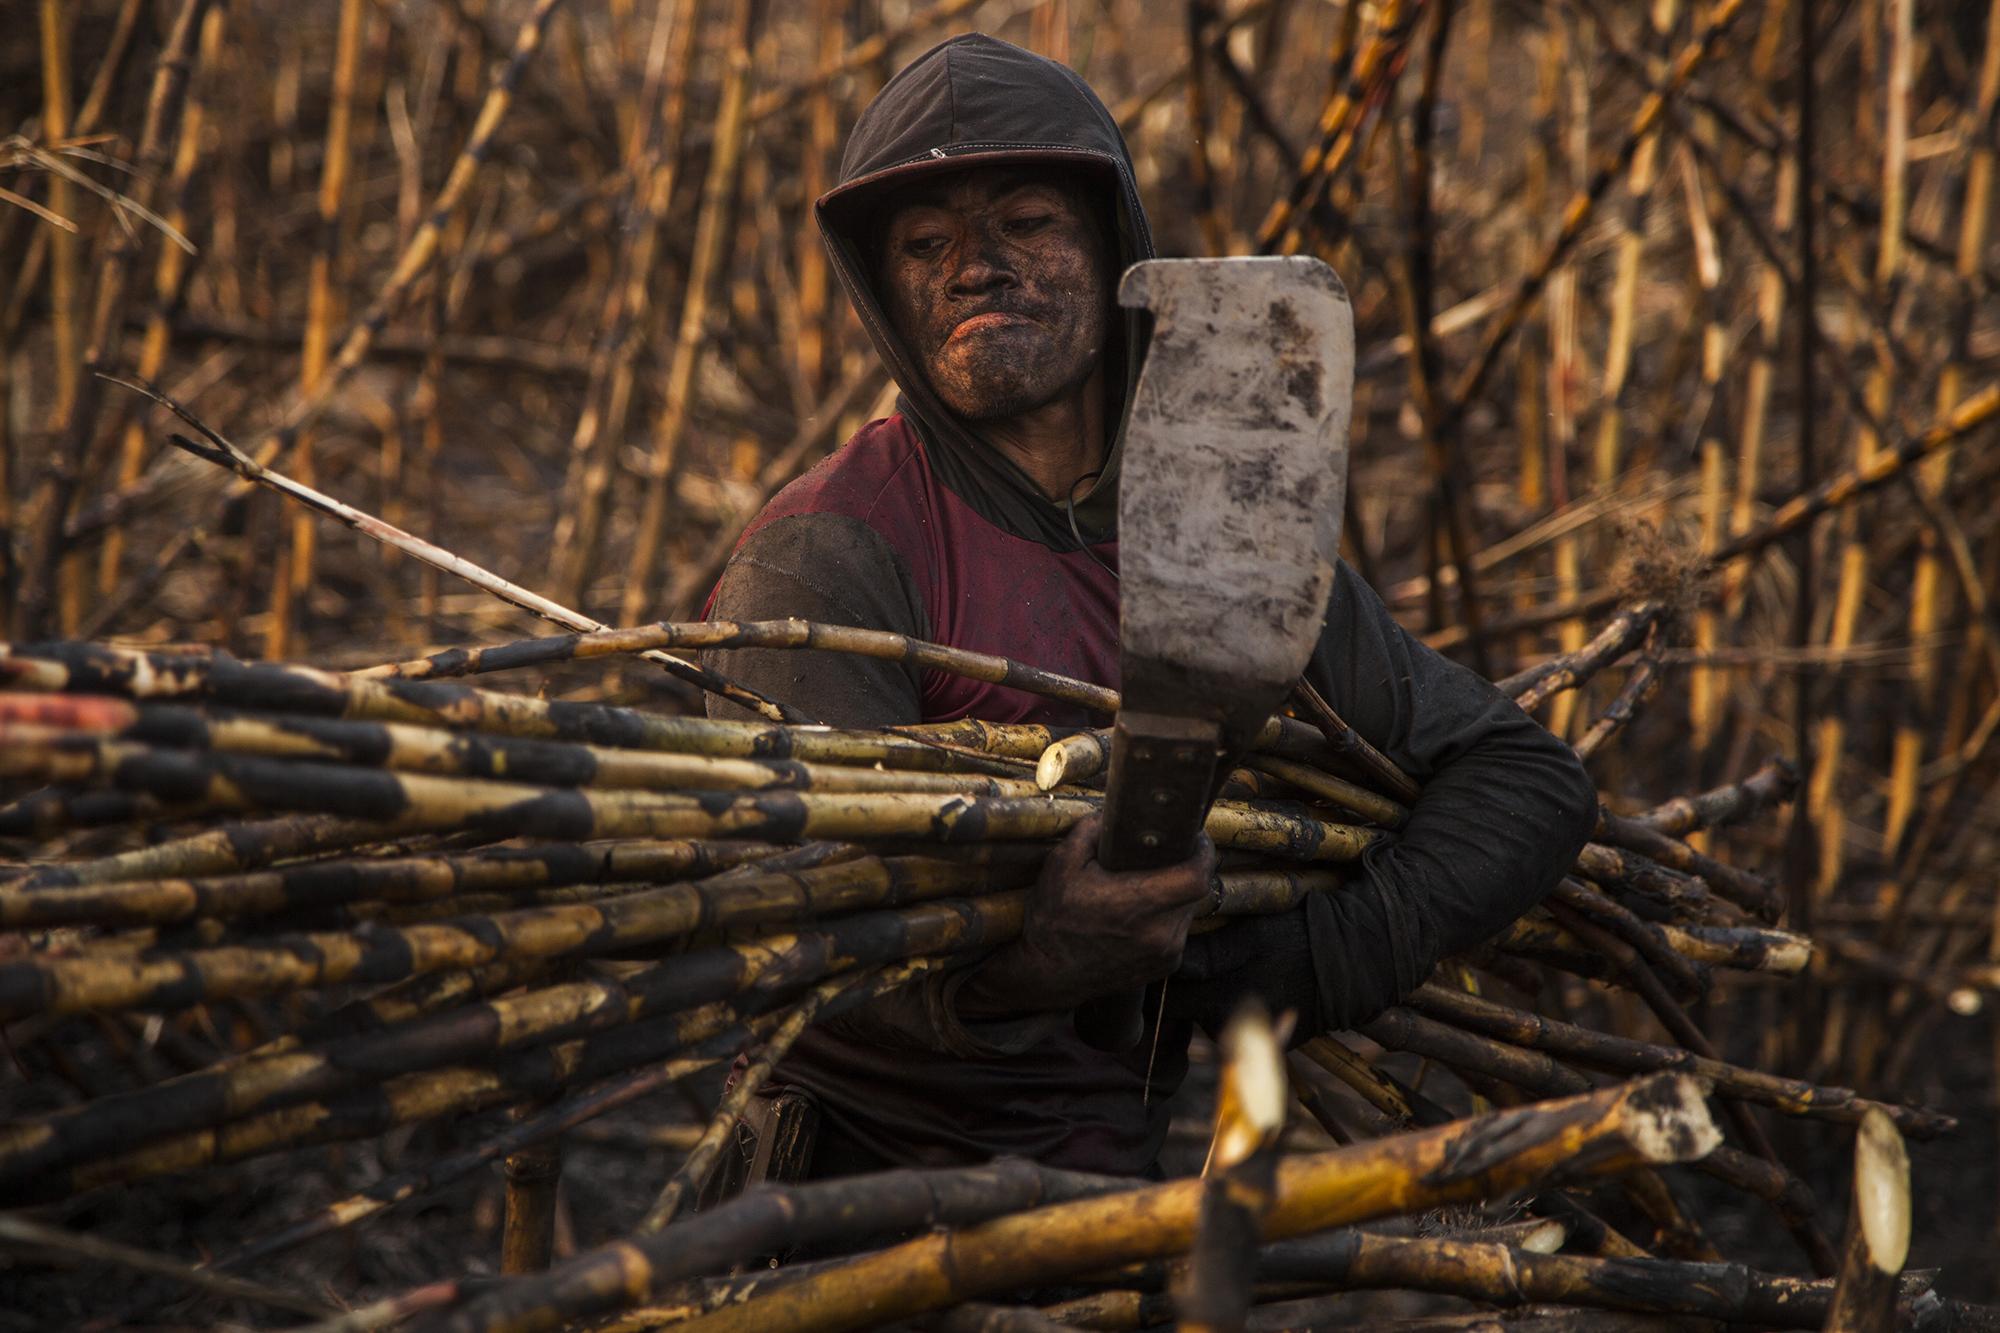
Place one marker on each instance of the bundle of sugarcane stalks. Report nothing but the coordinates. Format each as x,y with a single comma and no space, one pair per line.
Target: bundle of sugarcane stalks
439,900
540,278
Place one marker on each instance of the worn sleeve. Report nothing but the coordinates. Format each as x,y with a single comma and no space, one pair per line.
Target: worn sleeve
1504,809
833,569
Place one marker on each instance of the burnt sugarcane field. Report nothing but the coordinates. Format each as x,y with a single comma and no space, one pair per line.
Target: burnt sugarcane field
990,665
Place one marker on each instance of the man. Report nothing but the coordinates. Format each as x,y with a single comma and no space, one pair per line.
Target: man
985,210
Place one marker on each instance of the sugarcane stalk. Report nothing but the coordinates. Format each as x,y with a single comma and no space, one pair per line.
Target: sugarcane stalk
1540,940
1400,1029
443,1091
231,846
66,294
1351,744
219,451
742,971
1611,1128
1577,213
100,669
82,350
296,546
1878,1232
403,747
710,252
402,1002
1006,740
1354,1259
756,634
1787,1195
1200,168
765,862
1348,796
1361,88
769,1219
1638,688
511,870
1704,694
1568,671
1736,803
1403,1107
674,1023
1073,759
652,167
823,131
1687,977
1742,887
169,979
1975,217
1884,466
1267,892
1239,1179
1656,1121
528,1217
695,1169
570,1114
1639,183
170,274
413,802
1747,948
1625,1055
42,814
75,1245
1630,876
304,408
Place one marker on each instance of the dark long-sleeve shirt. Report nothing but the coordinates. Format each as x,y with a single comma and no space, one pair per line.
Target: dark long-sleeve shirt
882,536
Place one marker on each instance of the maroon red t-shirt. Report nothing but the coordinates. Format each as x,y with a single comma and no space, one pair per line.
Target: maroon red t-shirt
955,577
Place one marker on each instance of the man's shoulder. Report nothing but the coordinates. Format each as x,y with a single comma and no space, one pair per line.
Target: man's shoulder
879,469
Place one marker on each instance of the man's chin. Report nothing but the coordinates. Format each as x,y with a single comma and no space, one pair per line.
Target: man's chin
984,409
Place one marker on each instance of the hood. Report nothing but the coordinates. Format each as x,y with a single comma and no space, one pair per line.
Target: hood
976,100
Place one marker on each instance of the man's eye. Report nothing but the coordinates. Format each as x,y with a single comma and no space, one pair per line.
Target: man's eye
923,247
1029,224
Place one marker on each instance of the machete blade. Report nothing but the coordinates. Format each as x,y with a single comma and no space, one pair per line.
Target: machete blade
1232,482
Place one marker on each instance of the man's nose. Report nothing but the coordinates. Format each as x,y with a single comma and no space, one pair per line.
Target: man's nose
982,268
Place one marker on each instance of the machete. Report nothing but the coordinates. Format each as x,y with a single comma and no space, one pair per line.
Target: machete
1231,489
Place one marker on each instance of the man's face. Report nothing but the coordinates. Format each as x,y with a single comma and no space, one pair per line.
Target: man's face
998,281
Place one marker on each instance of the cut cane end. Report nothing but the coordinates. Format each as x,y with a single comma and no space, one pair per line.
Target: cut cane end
1790,954
1546,1237
1672,1122
1882,1191
1251,1111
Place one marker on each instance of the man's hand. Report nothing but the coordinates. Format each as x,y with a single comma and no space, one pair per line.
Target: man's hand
1090,931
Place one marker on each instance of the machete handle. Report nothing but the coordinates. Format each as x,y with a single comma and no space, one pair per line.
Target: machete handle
1157,792
1155,802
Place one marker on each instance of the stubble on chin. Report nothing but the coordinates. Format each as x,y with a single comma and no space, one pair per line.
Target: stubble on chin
1003,378
988,388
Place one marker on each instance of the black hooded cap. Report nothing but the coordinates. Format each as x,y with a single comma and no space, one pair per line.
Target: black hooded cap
978,101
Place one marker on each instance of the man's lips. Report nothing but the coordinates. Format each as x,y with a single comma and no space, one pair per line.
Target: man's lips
988,322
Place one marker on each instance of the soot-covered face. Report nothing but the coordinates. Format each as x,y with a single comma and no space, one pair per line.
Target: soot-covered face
998,280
